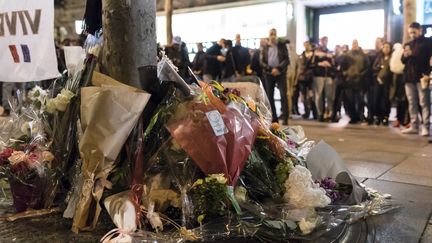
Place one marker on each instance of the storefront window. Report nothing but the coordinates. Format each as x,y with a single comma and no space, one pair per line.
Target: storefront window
252,22
343,28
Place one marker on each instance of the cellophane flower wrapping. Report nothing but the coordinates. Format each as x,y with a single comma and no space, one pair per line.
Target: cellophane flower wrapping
26,159
224,151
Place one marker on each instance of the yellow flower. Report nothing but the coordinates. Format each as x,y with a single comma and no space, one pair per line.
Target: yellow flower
17,157
219,177
198,182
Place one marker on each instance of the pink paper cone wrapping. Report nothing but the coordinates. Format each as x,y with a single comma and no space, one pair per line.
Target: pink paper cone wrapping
214,154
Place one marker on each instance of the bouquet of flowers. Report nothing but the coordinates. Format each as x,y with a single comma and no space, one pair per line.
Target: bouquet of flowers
27,162
28,167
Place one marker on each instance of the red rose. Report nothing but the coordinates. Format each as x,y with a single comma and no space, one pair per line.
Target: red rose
19,168
6,153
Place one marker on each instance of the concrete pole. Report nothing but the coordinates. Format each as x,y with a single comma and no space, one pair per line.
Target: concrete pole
409,14
129,38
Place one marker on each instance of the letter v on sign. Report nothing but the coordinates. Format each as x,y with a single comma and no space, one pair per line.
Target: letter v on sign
9,20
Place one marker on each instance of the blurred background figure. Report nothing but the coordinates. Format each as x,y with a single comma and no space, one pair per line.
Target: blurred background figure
381,86
357,64
198,61
397,93
305,79
323,84
274,61
179,55
213,62
241,57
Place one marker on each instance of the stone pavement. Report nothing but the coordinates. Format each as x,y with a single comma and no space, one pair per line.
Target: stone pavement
380,157
390,162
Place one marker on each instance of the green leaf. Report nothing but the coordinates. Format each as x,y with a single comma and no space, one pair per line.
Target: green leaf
290,224
280,224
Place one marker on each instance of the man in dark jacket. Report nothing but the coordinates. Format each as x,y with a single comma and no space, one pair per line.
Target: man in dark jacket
213,62
357,64
178,54
274,61
323,82
241,56
416,57
198,61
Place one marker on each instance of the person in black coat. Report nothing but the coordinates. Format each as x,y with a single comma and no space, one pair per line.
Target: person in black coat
274,61
198,61
241,57
381,86
179,55
213,62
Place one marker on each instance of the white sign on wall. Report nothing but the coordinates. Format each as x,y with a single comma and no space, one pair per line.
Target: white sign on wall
27,51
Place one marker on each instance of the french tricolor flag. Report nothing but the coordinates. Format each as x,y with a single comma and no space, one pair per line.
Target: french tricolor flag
24,50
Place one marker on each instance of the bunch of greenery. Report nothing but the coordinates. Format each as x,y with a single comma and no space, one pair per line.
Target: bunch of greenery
209,196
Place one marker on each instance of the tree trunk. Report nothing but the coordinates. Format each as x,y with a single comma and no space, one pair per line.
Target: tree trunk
129,28
168,14
409,12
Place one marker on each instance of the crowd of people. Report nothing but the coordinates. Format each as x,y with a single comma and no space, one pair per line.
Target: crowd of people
365,83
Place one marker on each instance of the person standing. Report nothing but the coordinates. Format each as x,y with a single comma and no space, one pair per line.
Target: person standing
416,57
255,60
323,84
198,61
178,54
339,79
241,57
213,62
369,83
381,86
305,79
357,64
274,61
228,73
292,75
397,93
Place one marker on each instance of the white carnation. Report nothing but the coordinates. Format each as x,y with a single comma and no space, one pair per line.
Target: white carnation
302,192
37,93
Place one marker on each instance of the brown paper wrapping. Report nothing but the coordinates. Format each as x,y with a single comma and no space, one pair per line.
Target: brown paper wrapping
108,115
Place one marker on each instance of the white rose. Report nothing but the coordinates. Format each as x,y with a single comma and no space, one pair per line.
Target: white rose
67,93
50,106
61,102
